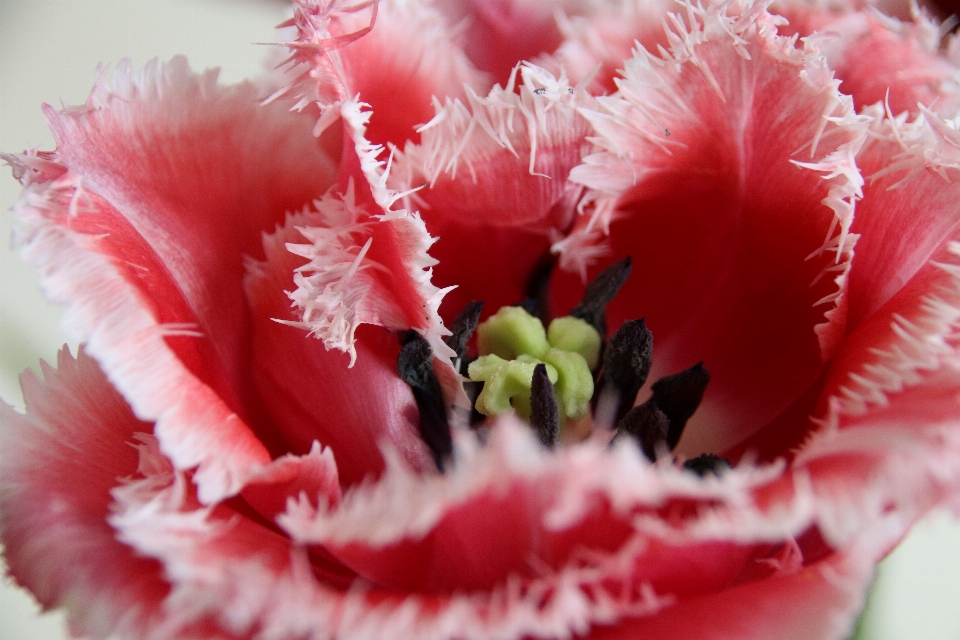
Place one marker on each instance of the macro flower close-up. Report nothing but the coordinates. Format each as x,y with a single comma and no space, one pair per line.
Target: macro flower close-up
496,319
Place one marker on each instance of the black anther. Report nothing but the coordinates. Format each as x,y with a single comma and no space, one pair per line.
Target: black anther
626,363
544,411
538,283
462,328
592,309
678,396
415,366
531,306
473,388
708,463
406,335
648,426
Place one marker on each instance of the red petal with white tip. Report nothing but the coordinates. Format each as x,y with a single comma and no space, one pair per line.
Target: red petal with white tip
880,59
820,602
889,406
494,185
728,174
55,503
169,179
396,75
311,390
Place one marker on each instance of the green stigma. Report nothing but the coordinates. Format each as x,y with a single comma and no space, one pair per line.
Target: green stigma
512,343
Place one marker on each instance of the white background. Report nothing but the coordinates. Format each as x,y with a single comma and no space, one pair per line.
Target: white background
49,51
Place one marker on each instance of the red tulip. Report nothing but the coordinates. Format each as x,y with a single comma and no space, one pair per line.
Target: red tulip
266,434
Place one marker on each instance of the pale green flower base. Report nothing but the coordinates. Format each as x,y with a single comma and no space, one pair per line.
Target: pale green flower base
918,589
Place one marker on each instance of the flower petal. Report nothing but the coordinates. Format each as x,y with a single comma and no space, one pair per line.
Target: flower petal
728,174
166,180
494,185
909,209
595,46
889,410
396,75
368,263
54,503
499,34
310,390
880,59
313,476
556,515
821,602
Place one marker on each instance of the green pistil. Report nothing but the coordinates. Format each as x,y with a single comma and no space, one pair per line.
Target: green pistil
512,342
573,334
506,383
512,332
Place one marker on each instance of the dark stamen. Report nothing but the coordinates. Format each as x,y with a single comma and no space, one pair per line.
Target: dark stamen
406,335
708,463
415,366
678,396
600,292
535,302
473,389
463,327
531,306
544,411
626,363
648,425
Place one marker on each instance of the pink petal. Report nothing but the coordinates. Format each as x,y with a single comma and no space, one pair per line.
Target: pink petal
313,476
614,562
883,60
184,175
722,177
820,602
311,391
54,502
211,555
577,517
596,46
368,263
396,75
909,208
499,34
494,185
888,440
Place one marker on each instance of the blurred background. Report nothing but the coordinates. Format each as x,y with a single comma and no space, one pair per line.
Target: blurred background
49,52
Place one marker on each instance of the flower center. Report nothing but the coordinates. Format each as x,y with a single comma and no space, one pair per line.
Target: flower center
558,375
512,343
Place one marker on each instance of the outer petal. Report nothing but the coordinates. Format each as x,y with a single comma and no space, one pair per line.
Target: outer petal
579,538
184,175
54,503
910,206
820,602
59,508
393,73
728,175
596,46
231,572
494,184
499,34
882,59
889,437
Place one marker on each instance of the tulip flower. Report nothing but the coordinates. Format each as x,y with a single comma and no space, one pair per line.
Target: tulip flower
712,382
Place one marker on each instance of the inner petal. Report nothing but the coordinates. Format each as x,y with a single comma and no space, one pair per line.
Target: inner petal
494,186
311,392
736,247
